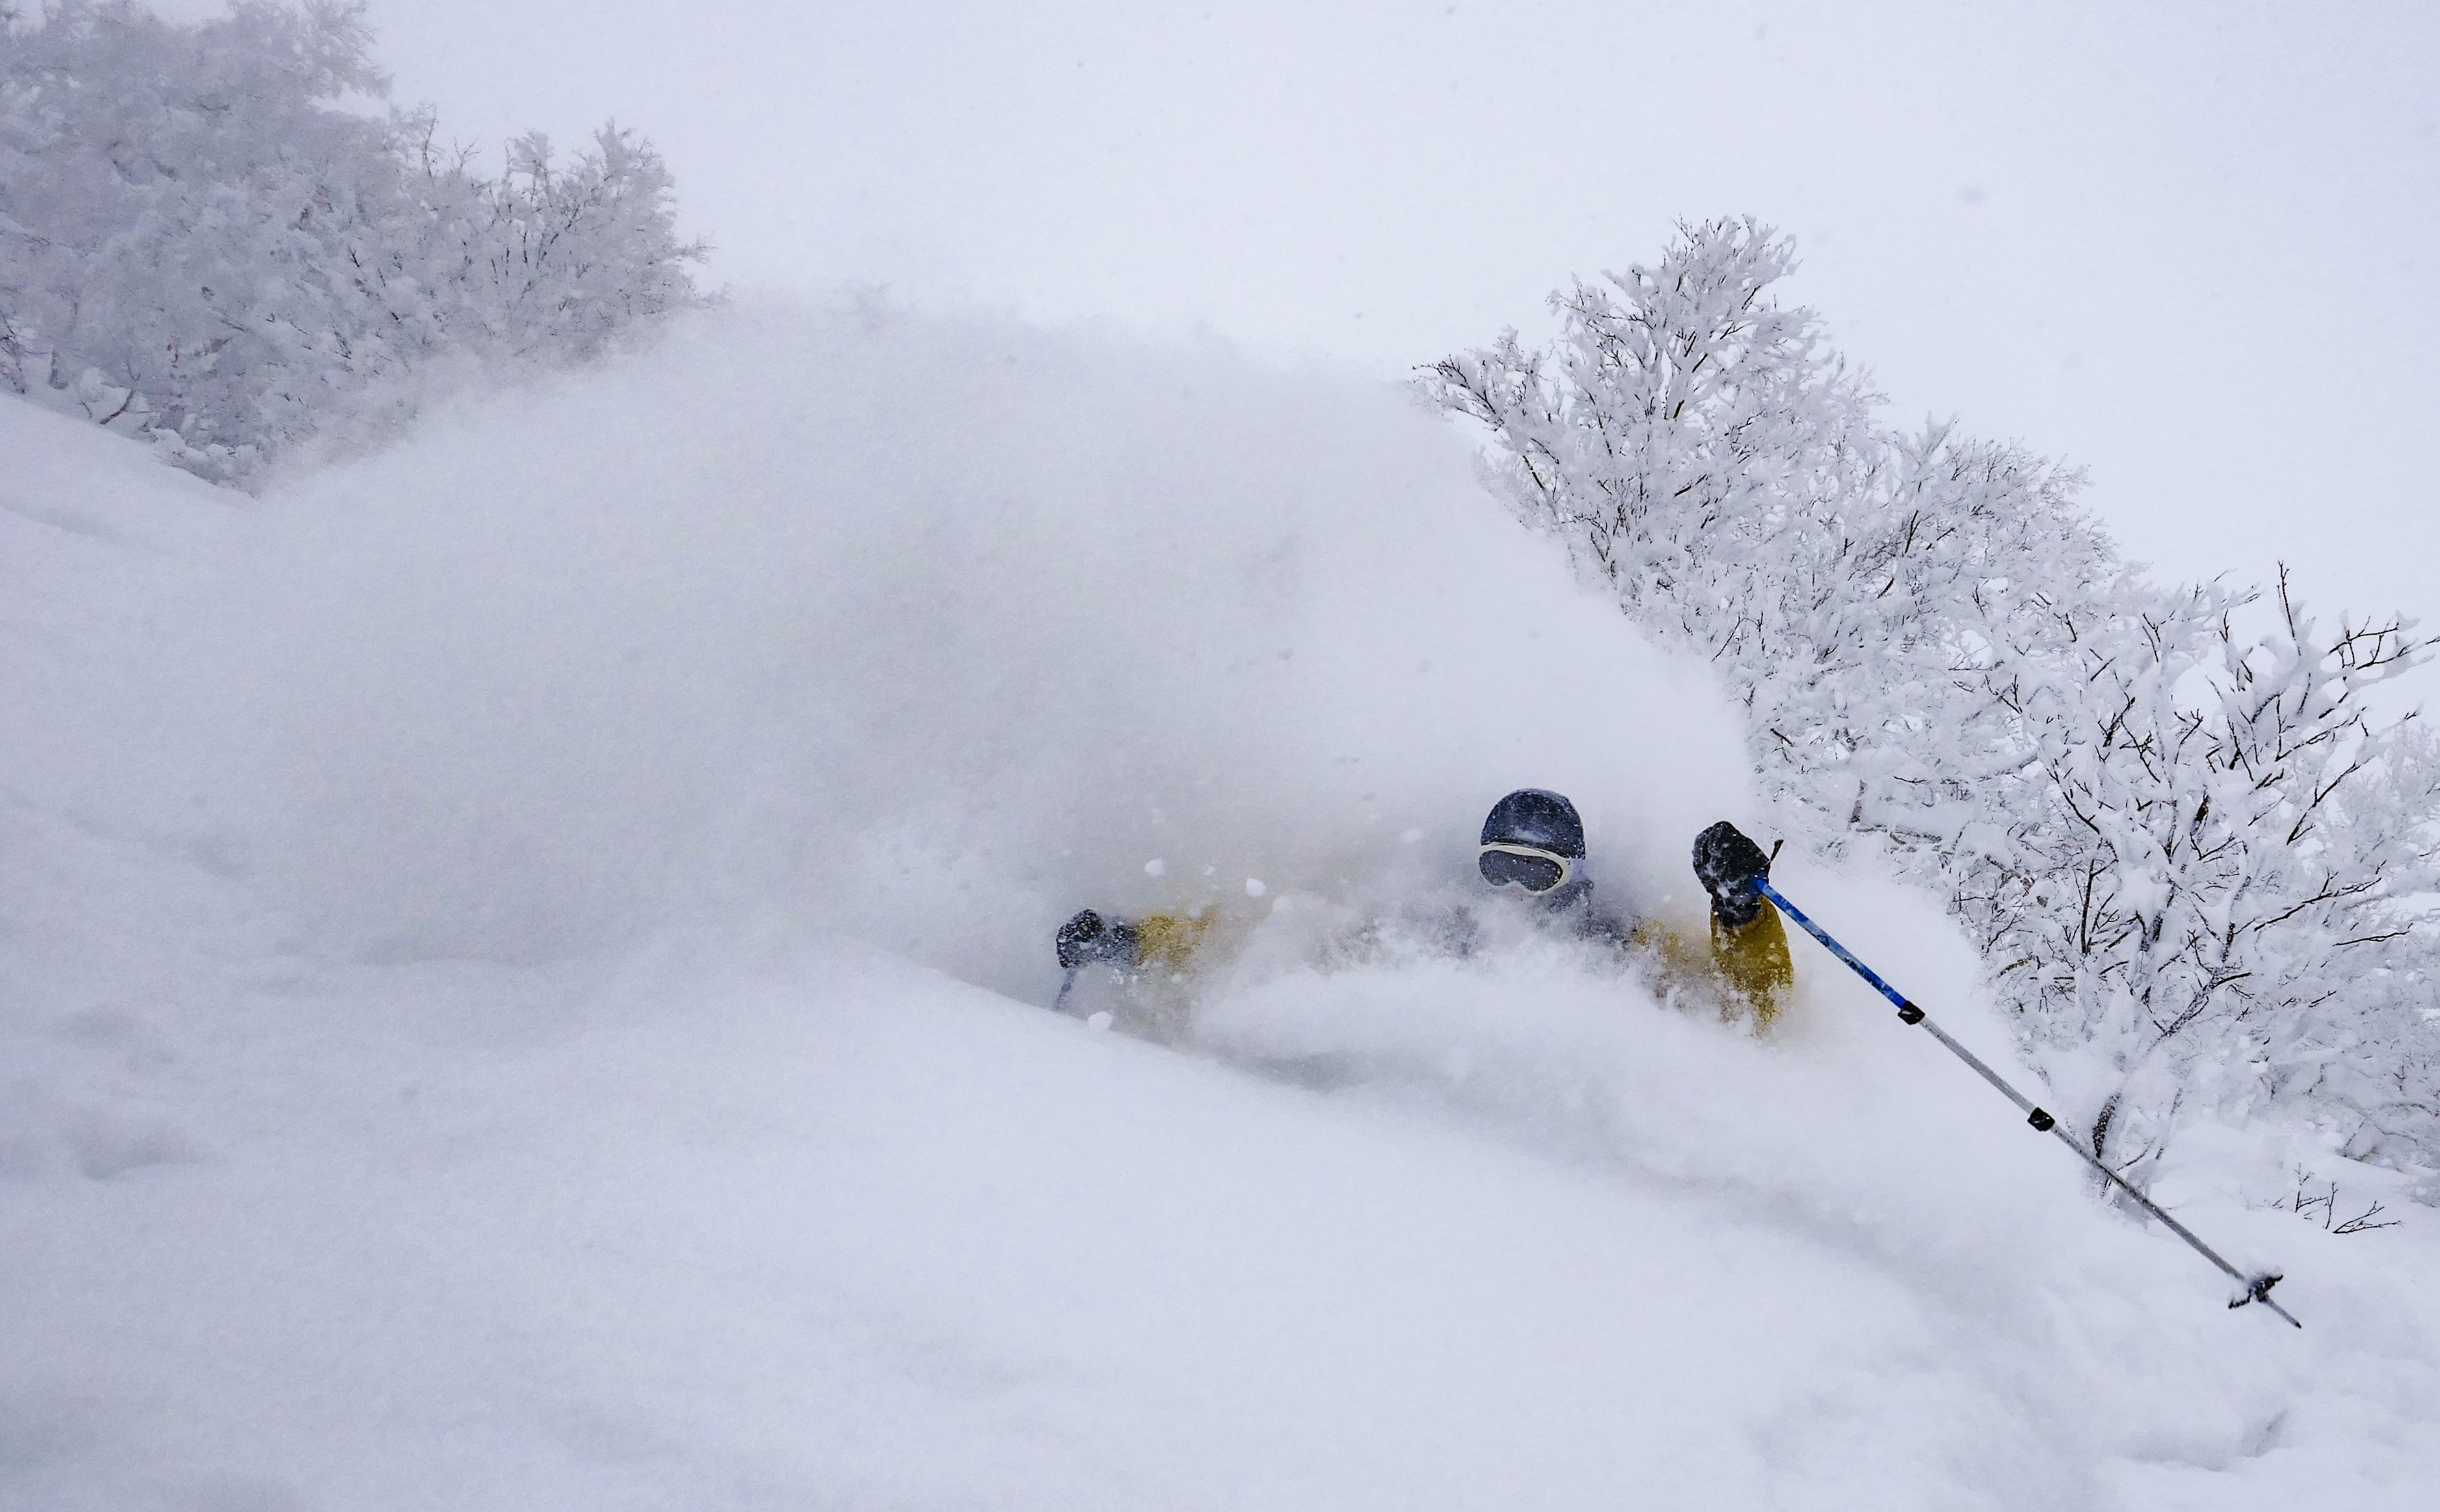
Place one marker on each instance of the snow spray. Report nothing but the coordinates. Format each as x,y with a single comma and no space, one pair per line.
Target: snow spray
2256,1288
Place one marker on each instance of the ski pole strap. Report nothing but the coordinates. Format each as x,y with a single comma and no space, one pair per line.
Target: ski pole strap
2258,1289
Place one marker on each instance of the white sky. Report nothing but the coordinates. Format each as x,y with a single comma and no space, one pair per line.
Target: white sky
2187,245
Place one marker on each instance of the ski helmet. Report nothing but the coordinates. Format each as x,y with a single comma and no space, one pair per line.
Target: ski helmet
1542,820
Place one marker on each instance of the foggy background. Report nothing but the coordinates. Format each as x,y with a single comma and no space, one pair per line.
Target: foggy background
2185,245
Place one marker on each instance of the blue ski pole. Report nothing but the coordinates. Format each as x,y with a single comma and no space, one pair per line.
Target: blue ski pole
2258,1289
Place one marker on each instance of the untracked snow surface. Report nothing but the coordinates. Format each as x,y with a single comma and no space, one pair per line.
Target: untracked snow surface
521,982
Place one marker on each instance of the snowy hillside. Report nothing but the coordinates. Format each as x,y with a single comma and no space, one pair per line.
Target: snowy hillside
521,966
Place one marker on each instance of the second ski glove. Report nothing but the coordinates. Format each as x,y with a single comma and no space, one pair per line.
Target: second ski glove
1731,867
1085,939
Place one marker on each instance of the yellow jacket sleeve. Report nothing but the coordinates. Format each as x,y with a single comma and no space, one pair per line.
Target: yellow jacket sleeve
1168,941
1753,960
1750,964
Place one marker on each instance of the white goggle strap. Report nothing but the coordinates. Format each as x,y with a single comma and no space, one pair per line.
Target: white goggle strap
1567,865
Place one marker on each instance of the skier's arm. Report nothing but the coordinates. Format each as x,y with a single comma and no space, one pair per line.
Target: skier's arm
1748,945
1165,942
1752,958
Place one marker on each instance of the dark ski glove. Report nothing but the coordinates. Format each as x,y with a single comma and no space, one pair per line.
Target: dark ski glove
1085,939
1731,867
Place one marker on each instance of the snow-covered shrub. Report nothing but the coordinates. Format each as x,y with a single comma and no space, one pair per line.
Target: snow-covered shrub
545,262
200,244
2190,857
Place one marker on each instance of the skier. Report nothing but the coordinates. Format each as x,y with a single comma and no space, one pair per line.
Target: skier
1534,844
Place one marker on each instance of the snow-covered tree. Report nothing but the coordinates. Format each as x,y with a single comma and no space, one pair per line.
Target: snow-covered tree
200,243
2190,855
2219,890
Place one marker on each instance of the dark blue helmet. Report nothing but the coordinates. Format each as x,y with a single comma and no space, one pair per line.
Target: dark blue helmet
1542,820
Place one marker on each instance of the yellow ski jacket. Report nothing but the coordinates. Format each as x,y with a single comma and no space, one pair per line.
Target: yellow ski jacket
1749,964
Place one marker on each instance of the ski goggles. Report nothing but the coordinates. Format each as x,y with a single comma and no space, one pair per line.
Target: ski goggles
1527,866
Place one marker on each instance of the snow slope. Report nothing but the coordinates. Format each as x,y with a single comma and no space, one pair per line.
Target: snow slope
518,981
